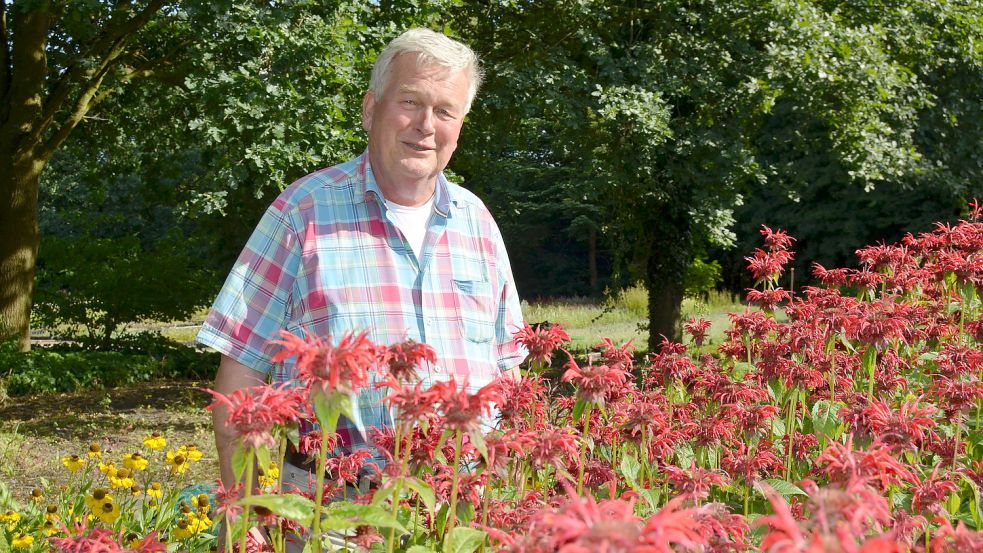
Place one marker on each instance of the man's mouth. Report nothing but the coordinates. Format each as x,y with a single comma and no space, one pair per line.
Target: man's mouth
417,147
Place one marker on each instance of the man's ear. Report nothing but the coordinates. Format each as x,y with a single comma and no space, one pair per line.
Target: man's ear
368,107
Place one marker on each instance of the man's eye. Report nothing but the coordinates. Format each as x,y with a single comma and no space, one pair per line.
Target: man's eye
410,102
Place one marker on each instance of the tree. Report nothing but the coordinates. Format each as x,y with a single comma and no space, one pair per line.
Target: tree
258,95
661,112
58,62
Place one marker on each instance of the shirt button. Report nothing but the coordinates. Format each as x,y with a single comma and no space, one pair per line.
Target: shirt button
436,368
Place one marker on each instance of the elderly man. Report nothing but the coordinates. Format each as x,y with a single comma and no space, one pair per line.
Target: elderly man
382,243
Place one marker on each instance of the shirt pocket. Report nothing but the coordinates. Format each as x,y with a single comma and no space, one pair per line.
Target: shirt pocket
476,305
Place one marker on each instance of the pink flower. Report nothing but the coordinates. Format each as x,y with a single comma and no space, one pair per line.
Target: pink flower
404,358
541,341
254,412
225,500
325,368
697,329
594,382
461,410
674,526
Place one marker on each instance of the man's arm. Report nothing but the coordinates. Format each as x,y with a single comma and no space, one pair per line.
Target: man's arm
232,376
512,374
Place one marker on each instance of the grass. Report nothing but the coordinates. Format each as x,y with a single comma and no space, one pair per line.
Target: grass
625,316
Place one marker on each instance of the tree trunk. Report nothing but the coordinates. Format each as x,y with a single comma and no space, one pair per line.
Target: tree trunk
20,236
668,260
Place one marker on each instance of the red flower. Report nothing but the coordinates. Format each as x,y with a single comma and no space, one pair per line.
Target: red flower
225,500
461,410
928,494
404,358
553,447
697,329
674,526
584,526
768,266
841,463
348,467
325,368
776,239
253,412
767,300
541,341
594,382
412,404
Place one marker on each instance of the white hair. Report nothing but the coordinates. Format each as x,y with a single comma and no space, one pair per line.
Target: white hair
431,48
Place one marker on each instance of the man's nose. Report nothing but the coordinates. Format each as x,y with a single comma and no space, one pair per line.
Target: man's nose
424,122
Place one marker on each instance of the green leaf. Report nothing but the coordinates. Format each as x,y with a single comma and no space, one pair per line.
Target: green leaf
263,456
424,491
239,459
328,408
478,441
463,540
578,409
420,549
786,489
373,515
684,455
291,506
630,468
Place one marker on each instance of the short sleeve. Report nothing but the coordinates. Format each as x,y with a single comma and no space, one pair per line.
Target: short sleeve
509,352
254,303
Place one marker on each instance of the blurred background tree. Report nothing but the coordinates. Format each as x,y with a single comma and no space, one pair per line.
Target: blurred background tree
643,141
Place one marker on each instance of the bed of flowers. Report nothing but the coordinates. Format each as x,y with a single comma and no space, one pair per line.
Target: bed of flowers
845,417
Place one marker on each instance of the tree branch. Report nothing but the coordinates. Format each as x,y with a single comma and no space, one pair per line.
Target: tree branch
87,100
115,33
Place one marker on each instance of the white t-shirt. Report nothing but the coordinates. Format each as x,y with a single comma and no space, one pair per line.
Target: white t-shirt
412,221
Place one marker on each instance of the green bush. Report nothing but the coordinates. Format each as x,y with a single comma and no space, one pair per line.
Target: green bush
67,369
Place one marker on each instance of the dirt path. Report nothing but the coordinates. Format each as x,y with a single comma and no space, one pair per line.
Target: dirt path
36,432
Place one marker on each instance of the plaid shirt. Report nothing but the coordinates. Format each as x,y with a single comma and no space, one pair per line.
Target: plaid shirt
326,259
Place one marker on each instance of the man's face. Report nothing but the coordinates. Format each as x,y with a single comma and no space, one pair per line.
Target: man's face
413,127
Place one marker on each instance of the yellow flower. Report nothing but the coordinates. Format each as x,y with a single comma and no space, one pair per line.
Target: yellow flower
179,463
98,498
190,451
123,479
23,541
201,502
37,496
95,451
135,490
51,513
109,512
73,463
109,469
10,516
155,441
191,525
49,528
155,490
268,478
133,540
135,461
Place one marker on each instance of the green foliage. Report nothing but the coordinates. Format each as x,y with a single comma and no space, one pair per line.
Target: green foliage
65,369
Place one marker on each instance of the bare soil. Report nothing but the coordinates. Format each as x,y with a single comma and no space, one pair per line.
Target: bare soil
36,432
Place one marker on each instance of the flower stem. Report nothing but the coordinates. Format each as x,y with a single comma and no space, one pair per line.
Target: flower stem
322,457
452,511
247,491
583,449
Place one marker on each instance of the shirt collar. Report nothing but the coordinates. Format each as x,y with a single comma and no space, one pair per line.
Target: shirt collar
368,189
